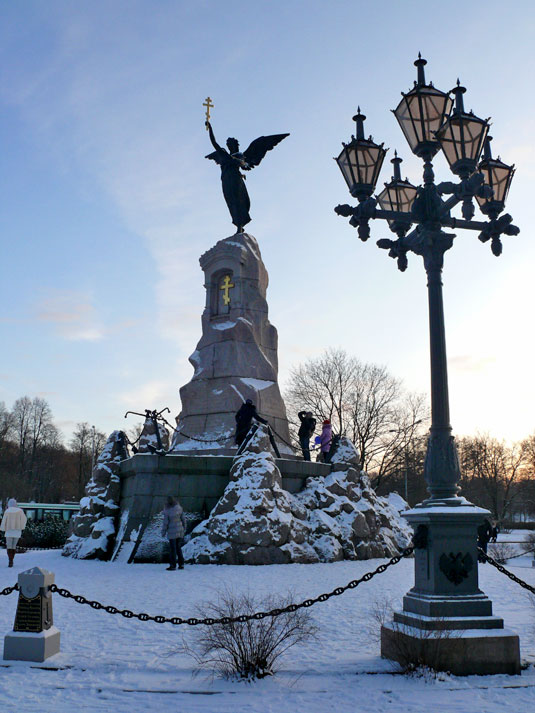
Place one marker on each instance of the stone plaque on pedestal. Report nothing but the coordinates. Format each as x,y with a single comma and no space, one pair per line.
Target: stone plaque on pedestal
34,636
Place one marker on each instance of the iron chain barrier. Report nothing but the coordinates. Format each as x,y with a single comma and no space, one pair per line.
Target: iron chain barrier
513,557
484,556
242,618
8,590
23,548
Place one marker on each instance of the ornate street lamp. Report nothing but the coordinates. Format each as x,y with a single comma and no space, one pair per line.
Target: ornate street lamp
462,136
446,577
398,195
498,176
360,161
421,113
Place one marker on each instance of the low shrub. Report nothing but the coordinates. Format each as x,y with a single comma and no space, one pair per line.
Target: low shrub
51,532
501,551
529,543
248,650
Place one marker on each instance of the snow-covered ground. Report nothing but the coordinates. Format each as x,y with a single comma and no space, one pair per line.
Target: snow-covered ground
108,663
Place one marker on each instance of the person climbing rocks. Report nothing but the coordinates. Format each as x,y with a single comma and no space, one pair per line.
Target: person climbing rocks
13,523
174,526
244,417
306,431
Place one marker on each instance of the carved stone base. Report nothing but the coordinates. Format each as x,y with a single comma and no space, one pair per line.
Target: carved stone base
26,646
461,652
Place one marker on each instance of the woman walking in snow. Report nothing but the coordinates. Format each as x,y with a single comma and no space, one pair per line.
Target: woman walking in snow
13,523
174,526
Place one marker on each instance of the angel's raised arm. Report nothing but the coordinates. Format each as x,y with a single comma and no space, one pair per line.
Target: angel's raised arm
216,146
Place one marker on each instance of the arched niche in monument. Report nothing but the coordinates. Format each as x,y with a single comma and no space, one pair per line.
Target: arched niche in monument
223,293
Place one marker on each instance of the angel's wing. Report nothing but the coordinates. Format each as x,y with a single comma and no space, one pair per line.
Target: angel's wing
260,146
216,156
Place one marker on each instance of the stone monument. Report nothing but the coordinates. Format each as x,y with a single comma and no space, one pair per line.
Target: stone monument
334,514
236,358
34,636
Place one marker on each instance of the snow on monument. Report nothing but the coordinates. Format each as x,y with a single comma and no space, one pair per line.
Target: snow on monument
95,525
236,357
336,517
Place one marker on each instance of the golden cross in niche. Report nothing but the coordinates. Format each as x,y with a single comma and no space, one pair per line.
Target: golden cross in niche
208,104
226,285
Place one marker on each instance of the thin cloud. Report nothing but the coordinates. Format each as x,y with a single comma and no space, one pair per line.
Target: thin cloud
151,394
72,314
466,362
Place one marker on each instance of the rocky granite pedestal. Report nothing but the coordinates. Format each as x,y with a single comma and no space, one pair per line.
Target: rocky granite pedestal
447,622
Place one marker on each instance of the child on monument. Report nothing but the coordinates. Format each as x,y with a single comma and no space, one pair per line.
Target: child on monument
174,526
325,441
13,523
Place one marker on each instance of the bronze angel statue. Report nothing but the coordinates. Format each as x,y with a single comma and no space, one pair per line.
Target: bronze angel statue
232,162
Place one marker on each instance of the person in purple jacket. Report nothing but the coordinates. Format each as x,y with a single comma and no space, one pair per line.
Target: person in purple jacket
325,440
174,526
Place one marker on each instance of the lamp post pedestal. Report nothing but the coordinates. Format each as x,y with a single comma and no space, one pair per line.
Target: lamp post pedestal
446,622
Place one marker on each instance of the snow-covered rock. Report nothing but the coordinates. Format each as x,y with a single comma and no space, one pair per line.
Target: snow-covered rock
252,520
94,526
333,518
148,441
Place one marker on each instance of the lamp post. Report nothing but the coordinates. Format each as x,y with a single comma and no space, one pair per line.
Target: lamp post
446,577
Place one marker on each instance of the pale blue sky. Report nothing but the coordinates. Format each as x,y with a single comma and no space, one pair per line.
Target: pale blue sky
107,201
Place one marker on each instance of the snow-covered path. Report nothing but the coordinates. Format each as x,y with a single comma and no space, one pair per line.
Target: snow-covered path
108,663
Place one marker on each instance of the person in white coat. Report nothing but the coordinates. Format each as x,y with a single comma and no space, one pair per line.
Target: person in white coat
13,523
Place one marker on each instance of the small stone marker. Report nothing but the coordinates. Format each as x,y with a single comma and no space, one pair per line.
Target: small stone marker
34,636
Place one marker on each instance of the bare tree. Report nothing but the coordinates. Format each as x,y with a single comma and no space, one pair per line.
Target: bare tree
363,402
492,471
34,429
6,422
527,486
134,433
81,444
21,427
86,443
34,464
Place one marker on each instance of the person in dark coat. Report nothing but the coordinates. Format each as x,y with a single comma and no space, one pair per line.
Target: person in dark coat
306,430
244,417
174,526
484,532
495,531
